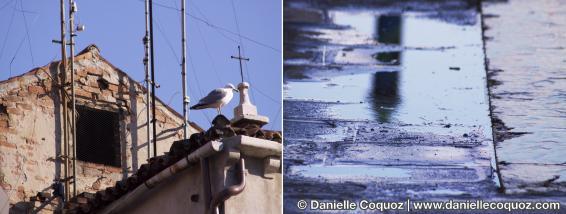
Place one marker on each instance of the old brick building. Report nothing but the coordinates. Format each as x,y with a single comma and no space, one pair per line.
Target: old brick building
111,143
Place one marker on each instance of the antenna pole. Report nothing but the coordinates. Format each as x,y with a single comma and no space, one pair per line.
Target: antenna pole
63,76
147,80
152,55
186,99
240,58
72,10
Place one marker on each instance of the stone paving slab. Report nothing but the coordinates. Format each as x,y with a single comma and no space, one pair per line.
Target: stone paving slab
525,47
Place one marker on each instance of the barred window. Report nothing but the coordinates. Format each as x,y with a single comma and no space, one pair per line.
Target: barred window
98,139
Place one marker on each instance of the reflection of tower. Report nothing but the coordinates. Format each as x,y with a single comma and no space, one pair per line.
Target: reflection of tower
385,90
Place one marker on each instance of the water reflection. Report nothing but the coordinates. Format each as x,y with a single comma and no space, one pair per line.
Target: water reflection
423,89
388,29
384,95
391,58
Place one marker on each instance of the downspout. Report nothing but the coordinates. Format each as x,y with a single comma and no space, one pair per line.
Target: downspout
231,190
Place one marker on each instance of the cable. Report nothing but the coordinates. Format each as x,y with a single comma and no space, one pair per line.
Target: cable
218,77
269,97
242,45
6,4
7,33
167,40
221,31
16,54
197,81
245,63
172,96
236,20
27,33
276,118
178,60
219,28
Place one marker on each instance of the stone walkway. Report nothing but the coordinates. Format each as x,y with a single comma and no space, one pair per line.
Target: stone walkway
526,50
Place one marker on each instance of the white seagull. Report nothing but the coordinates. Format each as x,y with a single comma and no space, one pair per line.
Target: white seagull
216,98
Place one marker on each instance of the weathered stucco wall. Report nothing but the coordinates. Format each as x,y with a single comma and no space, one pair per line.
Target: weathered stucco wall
31,124
184,192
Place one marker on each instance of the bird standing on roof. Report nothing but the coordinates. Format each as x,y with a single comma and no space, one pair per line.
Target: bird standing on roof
217,98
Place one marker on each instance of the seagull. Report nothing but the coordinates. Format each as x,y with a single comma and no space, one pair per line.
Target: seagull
216,98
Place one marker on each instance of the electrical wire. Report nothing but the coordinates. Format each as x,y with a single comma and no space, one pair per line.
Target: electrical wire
16,54
221,31
236,20
7,33
6,4
172,49
27,33
209,24
206,19
252,90
242,46
190,59
167,40
218,77
276,118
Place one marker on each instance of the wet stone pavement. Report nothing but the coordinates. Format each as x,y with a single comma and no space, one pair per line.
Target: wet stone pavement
386,100
527,69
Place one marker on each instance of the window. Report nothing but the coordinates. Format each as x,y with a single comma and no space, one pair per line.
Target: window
98,139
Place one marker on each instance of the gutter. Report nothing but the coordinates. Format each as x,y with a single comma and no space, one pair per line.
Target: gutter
207,150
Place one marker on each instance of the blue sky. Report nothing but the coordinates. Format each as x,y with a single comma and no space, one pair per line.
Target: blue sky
117,28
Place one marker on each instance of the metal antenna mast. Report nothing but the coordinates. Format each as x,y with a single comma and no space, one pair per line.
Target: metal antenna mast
147,80
240,58
63,76
186,99
72,10
152,77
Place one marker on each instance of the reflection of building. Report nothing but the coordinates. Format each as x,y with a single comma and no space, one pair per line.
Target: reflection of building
388,29
111,147
385,90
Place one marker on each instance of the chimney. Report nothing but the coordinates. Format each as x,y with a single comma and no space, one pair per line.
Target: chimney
246,113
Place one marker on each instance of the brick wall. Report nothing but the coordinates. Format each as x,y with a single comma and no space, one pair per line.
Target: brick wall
31,124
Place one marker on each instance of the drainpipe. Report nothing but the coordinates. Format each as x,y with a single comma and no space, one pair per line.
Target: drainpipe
230,191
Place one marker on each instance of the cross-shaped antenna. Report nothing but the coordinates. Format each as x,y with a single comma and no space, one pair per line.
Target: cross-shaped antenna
240,58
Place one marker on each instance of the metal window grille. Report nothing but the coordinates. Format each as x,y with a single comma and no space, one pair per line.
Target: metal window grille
98,139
